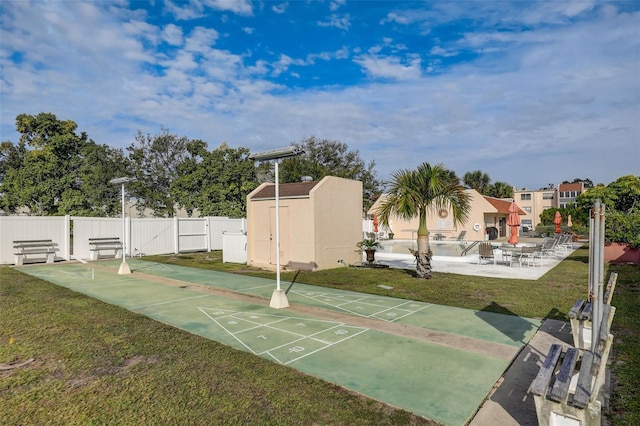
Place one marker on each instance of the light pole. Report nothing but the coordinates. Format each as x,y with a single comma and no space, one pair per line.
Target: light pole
279,297
124,267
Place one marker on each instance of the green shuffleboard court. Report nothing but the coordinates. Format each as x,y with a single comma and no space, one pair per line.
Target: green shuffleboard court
432,378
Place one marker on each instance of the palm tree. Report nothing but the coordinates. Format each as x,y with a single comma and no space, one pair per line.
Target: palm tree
477,180
417,192
500,190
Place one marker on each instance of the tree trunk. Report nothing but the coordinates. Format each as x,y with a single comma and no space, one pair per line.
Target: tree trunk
423,257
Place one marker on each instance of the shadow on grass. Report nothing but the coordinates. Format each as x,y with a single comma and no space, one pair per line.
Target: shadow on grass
507,322
511,325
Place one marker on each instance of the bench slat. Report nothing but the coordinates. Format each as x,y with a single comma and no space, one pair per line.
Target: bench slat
36,251
611,286
586,312
575,309
560,390
583,390
541,382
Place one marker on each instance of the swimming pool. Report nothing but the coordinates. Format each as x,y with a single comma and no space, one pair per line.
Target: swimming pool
439,248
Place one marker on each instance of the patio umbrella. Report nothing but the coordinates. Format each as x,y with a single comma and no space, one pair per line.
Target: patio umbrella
375,223
513,220
557,220
569,221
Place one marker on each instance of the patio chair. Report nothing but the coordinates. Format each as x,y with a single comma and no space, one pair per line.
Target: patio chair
485,251
527,256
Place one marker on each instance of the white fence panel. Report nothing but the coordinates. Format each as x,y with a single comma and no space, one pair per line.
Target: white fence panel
193,234
152,236
93,227
219,225
144,236
15,228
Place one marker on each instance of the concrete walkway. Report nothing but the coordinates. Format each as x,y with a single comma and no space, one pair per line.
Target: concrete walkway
509,403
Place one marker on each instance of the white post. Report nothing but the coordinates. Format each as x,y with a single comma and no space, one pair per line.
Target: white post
277,229
279,297
124,267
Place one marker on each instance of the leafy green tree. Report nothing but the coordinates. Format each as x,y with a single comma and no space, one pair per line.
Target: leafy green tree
415,193
11,156
627,193
323,157
600,192
154,161
477,180
44,172
215,183
500,190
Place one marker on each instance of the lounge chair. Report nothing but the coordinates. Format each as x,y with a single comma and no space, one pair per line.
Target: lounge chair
485,251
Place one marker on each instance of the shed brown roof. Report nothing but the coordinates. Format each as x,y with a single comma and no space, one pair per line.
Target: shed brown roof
502,206
287,190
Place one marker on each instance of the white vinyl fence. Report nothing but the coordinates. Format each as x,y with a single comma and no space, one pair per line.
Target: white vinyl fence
144,236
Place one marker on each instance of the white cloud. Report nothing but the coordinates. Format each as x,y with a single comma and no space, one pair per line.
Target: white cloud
280,8
389,67
172,34
336,20
554,102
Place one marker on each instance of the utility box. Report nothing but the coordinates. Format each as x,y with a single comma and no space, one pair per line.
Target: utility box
234,247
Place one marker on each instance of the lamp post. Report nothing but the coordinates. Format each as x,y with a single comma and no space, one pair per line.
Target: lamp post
279,297
124,267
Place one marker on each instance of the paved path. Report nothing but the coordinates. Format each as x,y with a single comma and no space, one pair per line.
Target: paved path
510,403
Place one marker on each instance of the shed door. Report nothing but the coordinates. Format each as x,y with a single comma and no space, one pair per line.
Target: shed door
285,236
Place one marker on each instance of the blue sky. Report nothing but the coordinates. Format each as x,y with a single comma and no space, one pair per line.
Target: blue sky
529,92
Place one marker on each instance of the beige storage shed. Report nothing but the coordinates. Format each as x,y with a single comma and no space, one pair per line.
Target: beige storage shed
320,223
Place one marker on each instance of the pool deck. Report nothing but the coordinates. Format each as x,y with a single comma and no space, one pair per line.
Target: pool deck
468,265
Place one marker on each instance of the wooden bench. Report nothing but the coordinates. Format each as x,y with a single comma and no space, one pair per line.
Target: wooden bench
570,385
33,247
97,245
580,315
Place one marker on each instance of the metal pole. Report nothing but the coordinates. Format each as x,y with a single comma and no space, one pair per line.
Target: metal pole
595,268
277,229
124,229
601,264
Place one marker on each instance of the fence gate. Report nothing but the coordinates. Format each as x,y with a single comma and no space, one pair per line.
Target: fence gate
192,235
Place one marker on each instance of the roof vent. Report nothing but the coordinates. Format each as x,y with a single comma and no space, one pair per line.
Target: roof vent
306,179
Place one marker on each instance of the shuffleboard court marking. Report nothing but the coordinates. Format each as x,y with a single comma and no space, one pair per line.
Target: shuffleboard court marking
283,338
171,301
388,309
154,267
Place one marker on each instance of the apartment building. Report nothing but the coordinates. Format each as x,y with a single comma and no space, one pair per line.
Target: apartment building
533,202
568,192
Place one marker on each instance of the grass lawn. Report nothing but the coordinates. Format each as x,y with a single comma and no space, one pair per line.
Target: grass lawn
96,363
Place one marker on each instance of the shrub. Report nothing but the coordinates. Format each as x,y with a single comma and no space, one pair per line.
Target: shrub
623,228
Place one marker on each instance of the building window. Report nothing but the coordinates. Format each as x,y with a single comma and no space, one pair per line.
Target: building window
527,209
547,195
525,197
